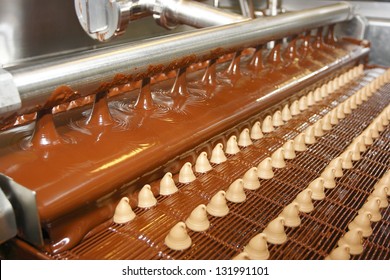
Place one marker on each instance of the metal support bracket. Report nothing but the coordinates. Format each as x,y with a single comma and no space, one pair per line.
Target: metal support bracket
7,219
24,208
9,94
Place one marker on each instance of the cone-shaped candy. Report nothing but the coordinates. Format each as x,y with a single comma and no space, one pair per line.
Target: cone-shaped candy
363,94
278,158
250,179
347,106
345,78
353,102
329,87
256,132
310,99
123,212
167,185
235,192
354,240
362,222
340,253
309,135
286,114
290,214
355,151
257,248
346,160
340,111
277,119
329,178
146,198
178,238
317,95
217,155
379,125
318,131
305,203
264,169
267,125
372,207
333,117
198,221
362,146
374,131
384,119
289,151
380,193
244,140
302,103
275,231
299,143
186,175
358,98
294,108
324,91
326,122
317,188
232,146
382,187
217,206
385,180
241,257
336,164
202,164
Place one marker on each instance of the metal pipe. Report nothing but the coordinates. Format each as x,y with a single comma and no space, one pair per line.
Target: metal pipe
193,14
105,19
88,72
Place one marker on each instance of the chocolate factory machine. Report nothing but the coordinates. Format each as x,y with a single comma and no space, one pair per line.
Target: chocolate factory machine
179,129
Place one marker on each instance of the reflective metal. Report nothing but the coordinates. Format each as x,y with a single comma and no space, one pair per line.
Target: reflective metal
172,12
42,28
105,19
378,34
85,72
25,209
7,219
9,95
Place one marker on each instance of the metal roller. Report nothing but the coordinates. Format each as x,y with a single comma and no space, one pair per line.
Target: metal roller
89,72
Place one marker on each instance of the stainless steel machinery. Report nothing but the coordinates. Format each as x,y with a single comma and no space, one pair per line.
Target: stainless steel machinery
179,129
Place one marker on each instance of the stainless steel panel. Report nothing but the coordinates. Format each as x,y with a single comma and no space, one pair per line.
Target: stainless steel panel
7,219
25,208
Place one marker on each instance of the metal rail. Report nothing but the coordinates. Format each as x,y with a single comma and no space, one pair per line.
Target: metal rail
89,72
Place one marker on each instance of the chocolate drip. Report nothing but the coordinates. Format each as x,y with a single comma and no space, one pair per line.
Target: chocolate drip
256,62
209,79
145,100
291,52
234,70
100,115
330,39
305,47
210,76
319,41
180,86
45,133
274,57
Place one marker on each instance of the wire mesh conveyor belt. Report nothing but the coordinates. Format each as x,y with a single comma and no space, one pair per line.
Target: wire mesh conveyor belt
320,230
